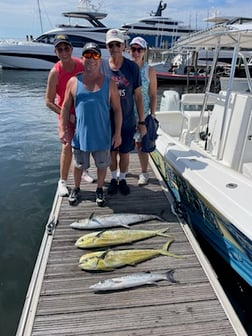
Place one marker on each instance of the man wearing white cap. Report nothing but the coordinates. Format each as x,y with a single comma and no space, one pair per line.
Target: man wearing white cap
126,75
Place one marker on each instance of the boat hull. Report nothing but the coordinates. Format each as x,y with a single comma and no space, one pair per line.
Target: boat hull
32,55
194,202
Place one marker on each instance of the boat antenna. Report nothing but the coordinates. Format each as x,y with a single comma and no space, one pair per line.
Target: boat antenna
40,17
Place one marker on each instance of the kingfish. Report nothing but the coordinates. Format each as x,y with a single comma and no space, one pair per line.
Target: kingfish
116,237
132,280
112,259
112,220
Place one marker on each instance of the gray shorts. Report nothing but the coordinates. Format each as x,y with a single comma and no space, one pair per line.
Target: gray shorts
82,159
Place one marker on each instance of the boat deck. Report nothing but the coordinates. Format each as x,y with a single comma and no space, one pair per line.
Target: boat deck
59,301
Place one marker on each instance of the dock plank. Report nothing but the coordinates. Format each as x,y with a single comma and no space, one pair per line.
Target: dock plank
67,306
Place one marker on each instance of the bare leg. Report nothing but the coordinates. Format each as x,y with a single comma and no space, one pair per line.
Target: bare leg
77,177
124,162
65,160
113,165
101,174
143,158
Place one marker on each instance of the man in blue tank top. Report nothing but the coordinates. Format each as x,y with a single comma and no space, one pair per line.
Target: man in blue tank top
92,94
126,75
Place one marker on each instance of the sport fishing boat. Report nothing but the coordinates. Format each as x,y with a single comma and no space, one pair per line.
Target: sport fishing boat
38,53
204,151
157,30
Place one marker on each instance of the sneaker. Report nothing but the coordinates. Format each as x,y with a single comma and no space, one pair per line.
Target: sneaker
125,190
112,189
87,178
143,179
62,188
74,196
100,200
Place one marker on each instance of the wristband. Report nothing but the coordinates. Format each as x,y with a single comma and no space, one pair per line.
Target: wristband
141,122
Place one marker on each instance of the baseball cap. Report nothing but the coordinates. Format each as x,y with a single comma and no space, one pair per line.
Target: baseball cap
61,39
115,35
91,46
140,41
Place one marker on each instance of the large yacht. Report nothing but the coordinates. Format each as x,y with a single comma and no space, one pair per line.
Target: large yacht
157,30
38,54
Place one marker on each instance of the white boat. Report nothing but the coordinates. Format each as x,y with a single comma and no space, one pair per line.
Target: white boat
193,63
157,30
204,153
38,54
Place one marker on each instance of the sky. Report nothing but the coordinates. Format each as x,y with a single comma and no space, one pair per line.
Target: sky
20,18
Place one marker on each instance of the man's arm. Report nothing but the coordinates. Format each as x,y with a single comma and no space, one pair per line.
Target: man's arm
50,95
65,110
116,106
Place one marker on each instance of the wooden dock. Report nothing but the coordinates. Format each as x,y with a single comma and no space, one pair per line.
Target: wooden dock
59,301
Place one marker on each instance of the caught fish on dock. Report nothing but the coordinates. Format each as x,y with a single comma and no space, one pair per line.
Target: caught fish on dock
133,280
117,237
112,259
112,220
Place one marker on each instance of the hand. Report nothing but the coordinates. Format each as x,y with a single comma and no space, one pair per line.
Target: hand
116,140
63,136
72,118
142,130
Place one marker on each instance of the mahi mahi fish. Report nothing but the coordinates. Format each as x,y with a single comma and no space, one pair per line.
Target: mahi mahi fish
133,280
116,237
112,220
112,259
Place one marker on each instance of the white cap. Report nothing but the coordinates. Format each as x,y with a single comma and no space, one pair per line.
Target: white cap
140,41
115,35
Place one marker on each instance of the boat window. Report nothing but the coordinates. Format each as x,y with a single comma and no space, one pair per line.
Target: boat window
46,38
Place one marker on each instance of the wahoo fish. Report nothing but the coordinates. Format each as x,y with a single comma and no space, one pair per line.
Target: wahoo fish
112,259
112,220
133,280
116,237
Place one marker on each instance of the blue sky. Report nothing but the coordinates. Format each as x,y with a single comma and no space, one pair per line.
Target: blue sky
18,18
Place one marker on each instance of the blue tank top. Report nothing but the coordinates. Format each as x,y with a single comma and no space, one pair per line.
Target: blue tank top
92,109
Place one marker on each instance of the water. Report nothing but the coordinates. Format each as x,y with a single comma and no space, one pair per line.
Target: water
29,167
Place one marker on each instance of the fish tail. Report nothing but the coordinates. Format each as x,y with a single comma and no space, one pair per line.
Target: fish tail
170,276
164,250
162,233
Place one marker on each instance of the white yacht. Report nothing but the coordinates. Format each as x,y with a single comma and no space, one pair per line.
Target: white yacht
157,30
38,53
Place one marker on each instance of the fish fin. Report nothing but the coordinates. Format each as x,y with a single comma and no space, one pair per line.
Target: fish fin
162,233
103,255
100,233
170,276
125,225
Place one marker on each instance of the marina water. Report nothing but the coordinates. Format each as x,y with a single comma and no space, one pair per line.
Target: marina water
29,170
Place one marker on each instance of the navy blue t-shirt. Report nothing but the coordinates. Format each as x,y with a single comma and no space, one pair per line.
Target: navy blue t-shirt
127,78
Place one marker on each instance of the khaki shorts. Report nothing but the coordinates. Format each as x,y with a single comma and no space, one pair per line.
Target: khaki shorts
82,159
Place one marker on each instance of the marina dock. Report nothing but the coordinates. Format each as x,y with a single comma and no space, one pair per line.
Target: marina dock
59,301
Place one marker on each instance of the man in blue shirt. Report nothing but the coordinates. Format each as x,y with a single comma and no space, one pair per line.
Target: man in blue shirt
125,73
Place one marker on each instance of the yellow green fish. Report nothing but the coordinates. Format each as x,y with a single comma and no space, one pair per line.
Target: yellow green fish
110,260
116,237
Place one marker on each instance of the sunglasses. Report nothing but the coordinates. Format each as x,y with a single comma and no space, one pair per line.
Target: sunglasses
114,44
133,49
93,55
66,49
